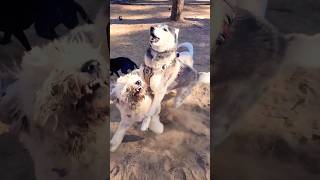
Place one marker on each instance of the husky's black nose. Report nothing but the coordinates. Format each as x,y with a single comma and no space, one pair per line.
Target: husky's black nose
151,29
91,67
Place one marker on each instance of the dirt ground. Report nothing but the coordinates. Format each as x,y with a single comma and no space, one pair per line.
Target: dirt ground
278,138
183,150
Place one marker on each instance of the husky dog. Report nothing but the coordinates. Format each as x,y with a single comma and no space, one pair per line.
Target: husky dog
58,106
133,98
164,71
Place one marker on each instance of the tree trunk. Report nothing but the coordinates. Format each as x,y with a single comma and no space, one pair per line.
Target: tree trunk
176,10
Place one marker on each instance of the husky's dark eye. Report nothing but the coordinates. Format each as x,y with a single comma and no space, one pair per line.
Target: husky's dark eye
165,29
138,83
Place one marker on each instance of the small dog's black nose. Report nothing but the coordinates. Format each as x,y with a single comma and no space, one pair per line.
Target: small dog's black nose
151,29
91,67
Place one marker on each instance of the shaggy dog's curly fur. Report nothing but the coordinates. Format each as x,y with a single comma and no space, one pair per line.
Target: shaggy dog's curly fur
133,98
58,106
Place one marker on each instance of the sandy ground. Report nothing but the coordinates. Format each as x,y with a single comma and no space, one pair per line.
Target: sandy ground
279,136
182,151
15,161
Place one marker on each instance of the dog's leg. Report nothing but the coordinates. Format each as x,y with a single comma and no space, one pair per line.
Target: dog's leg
154,111
117,73
155,125
156,103
119,134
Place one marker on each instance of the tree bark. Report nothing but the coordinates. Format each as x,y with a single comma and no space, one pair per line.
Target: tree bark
176,10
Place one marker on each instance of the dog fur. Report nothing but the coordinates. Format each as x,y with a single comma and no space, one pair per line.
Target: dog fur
58,106
46,15
121,63
133,98
161,73
165,71
241,67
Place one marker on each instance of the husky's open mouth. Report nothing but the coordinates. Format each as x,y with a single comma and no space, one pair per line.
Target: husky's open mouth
153,38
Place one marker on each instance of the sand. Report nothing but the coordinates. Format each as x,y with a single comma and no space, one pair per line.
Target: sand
183,150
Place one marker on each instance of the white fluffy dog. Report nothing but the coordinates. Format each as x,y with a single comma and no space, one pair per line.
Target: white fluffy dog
58,106
133,98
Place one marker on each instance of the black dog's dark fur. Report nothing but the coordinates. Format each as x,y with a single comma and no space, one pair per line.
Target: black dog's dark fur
17,16
121,63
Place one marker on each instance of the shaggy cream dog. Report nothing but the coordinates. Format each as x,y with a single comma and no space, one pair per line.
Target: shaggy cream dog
133,98
58,107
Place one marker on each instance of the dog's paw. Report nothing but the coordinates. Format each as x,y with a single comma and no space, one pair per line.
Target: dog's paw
114,146
156,127
145,124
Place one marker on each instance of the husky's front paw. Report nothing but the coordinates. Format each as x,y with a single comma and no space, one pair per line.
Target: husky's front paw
156,126
158,129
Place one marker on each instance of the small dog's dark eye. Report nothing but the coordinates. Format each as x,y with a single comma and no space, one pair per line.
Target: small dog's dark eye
165,29
138,83
92,66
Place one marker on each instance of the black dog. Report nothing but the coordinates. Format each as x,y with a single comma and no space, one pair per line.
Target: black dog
17,16
121,63
54,12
